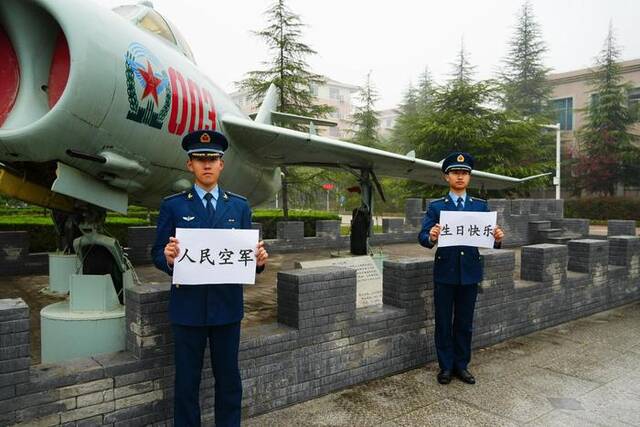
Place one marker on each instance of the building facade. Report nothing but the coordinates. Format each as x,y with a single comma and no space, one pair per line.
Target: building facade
572,93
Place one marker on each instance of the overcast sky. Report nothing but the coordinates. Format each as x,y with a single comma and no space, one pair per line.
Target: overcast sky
397,39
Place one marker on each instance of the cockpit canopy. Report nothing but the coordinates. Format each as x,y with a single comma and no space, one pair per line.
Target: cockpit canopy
145,17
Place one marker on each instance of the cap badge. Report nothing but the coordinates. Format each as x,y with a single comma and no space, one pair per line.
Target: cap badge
205,138
460,158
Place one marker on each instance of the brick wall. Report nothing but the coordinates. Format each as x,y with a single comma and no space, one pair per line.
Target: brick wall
513,215
320,343
621,227
15,258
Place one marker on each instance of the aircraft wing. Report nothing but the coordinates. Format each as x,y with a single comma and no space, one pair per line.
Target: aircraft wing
276,146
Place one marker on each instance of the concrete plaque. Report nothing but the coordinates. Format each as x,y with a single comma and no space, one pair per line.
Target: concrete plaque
368,277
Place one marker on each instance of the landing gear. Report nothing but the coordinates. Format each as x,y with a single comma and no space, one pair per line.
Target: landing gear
92,320
98,254
361,219
360,226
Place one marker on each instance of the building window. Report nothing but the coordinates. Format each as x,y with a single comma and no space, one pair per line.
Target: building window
313,88
334,92
563,109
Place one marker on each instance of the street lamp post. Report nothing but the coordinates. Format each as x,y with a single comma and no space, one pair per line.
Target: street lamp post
556,179
327,187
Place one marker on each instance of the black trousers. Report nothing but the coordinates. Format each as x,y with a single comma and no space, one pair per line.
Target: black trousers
190,342
454,306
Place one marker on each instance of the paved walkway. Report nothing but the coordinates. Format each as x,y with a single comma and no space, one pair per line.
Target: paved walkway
582,373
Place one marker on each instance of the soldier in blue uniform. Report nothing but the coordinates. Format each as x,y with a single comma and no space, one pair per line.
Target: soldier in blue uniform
204,312
457,271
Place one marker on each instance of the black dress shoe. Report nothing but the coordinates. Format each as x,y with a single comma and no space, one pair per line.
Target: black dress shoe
465,376
444,376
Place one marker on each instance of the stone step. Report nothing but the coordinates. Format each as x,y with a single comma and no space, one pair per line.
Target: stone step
539,225
563,239
560,240
550,232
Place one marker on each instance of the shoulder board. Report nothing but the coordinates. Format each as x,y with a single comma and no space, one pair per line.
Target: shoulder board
478,199
442,199
230,194
175,195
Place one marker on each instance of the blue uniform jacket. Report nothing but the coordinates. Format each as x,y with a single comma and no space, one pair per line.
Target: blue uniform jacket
453,264
201,305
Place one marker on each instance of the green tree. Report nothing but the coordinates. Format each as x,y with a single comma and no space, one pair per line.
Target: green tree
460,118
414,110
289,71
524,78
366,119
402,136
608,156
288,68
425,91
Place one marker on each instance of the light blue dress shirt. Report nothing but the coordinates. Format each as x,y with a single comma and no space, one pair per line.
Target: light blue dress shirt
214,192
455,198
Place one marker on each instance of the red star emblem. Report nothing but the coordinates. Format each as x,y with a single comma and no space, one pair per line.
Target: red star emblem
151,81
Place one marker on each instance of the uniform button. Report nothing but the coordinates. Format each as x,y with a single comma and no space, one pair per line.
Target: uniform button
177,286
461,253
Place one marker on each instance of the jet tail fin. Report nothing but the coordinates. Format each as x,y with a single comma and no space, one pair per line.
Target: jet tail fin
269,104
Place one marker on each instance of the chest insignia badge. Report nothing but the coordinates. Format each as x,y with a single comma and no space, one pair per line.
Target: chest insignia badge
188,218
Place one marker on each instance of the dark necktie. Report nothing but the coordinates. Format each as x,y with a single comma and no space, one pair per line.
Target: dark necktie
459,204
209,206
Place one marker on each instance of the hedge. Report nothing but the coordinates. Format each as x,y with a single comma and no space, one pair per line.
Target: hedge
603,208
42,234
270,217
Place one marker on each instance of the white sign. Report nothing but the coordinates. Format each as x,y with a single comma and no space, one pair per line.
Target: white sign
213,256
462,228
368,277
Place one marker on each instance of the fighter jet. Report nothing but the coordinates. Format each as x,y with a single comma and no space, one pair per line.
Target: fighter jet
94,103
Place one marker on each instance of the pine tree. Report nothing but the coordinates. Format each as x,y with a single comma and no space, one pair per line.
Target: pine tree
410,101
460,118
366,119
425,90
414,109
462,69
288,68
402,136
524,77
608,156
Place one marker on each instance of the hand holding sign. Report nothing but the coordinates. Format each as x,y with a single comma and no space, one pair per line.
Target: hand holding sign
434,233
463,228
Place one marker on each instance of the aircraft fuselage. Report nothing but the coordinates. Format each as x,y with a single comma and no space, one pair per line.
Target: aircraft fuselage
121,110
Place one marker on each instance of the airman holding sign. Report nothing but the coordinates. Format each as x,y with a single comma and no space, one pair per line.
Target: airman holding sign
458,224
206,296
